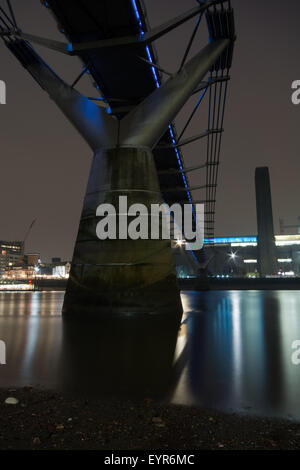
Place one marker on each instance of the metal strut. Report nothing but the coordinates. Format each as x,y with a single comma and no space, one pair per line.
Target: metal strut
145,39
147,121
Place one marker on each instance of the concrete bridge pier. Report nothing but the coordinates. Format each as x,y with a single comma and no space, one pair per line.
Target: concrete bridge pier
121,276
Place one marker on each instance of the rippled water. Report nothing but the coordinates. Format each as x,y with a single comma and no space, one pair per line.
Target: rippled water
233,350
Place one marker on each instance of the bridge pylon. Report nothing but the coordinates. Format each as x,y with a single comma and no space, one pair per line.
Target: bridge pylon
121,276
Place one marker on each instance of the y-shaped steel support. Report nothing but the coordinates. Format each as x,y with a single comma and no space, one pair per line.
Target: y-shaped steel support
121,276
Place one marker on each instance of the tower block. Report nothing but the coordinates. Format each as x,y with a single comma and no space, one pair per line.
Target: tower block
267,264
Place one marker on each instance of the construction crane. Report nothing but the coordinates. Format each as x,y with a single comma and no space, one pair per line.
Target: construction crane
27,234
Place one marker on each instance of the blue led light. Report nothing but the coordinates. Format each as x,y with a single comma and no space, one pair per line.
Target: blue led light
170,126
229,240
137,15
158,85
153,68
179,162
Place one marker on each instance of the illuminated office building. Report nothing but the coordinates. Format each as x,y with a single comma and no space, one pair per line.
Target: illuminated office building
238,256
11,253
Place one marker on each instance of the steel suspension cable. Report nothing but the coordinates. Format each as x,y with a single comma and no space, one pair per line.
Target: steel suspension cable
220,137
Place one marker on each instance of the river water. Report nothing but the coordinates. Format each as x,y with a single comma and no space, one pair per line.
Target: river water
233,351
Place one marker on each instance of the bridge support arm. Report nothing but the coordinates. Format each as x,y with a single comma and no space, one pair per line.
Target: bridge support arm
145,125
92,122
120,275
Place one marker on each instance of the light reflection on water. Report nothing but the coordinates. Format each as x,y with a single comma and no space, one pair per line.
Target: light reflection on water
30,325
233,350
239,351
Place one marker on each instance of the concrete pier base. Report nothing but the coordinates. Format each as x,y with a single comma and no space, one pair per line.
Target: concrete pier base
121,276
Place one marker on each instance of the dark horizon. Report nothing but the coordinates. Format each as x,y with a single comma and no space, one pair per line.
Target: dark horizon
45,163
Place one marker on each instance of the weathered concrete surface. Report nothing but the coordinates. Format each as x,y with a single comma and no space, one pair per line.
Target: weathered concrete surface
121,276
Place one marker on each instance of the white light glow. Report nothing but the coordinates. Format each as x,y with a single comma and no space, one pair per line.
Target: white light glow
288,274
243,244
16,287
287,243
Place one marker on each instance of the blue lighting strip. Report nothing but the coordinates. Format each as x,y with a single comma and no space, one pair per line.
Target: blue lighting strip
158,85
153,68
136,11
229,240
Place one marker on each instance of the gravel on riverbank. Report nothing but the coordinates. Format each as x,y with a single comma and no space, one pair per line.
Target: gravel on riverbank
48,420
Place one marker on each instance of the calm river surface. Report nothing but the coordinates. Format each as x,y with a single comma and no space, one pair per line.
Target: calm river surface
233,351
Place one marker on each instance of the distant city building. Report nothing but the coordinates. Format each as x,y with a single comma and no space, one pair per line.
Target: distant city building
11,254
19,272
61,270
47,271
238,256
15,265
266,250
32,259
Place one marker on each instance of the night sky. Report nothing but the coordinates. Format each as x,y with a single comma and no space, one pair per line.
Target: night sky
45,163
